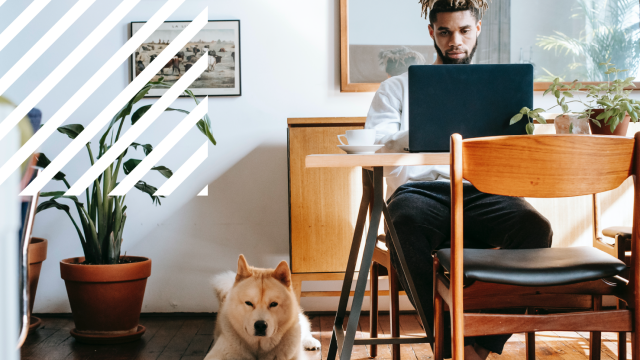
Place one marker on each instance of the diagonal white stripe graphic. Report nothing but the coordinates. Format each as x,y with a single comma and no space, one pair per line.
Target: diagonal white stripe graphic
204,191
183,173
65,67
162,149
43,44
89,88
105,116
140,126
21,21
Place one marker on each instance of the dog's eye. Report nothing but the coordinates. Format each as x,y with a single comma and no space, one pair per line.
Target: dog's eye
273,304
248,303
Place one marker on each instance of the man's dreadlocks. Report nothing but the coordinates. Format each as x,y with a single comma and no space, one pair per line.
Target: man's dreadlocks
477,7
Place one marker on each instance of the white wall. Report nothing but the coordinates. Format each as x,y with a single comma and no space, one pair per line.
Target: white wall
290,68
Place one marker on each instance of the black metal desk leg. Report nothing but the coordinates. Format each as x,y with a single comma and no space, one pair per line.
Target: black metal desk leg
334,346
342,341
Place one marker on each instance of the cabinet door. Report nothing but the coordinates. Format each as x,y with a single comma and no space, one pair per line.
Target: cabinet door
323,202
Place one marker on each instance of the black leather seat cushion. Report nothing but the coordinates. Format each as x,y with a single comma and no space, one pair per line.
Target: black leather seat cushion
536,267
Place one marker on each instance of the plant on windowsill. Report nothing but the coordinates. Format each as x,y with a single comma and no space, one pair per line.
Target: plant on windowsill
607,102
106,289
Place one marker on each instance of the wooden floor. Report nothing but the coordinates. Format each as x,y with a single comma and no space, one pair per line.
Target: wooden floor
189,338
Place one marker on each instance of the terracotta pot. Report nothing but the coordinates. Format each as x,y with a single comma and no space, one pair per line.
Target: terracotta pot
566,122
621,129
106,300
37,253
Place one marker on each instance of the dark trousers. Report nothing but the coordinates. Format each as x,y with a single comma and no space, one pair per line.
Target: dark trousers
421,215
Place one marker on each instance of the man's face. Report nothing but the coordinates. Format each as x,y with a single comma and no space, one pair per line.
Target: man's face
455,35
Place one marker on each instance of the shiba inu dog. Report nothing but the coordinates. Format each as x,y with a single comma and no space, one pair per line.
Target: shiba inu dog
259,316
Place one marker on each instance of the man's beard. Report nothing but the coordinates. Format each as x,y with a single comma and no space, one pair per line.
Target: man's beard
447,60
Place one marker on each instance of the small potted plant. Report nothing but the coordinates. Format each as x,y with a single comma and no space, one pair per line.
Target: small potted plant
105,288
605,104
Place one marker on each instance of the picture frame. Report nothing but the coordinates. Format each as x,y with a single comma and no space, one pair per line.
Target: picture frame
223,74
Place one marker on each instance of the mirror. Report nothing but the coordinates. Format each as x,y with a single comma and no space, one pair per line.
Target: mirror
561,38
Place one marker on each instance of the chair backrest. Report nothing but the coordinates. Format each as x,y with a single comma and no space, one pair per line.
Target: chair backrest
545,166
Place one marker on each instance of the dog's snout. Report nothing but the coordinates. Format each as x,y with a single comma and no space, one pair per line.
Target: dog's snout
261,328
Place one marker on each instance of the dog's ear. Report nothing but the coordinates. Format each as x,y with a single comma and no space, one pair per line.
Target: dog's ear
244,271
282,273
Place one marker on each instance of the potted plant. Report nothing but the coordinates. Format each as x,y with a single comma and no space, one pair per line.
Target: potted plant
105,288
606,103
37,253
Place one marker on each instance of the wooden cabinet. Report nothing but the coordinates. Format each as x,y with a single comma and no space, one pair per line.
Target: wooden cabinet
323,203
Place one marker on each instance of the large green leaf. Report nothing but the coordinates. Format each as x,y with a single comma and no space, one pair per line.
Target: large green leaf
71,130
129,165
52,204
143,110
147,148
204,128
204,125
125,111
146,188
43,162
60,194
166,172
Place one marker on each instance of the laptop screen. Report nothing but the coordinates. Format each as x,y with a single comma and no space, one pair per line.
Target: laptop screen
471,100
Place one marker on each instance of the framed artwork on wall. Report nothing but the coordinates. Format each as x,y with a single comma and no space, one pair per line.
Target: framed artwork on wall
221,38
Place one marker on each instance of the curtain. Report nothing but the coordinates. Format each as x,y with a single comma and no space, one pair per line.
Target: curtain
494,43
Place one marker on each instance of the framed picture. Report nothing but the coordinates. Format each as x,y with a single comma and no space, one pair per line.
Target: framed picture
221,38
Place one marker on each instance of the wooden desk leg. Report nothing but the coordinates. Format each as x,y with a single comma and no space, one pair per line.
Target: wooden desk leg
373,312
595,338
342,341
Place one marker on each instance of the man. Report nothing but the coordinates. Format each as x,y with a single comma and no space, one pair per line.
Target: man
419,196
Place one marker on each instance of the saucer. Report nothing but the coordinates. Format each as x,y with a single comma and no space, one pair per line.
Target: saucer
360,149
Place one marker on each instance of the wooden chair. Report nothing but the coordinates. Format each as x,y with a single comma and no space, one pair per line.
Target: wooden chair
617,242
382,259
540,166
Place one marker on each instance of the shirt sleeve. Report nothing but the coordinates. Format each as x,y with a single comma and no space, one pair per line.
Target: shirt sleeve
385,116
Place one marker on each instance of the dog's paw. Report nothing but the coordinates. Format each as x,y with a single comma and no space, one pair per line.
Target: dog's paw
310,343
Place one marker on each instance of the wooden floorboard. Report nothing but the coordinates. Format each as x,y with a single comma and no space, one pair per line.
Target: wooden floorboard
190,338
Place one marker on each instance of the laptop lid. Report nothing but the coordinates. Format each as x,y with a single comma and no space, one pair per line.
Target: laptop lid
471,100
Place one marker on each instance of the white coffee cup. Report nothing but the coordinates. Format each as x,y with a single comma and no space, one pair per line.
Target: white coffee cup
359,137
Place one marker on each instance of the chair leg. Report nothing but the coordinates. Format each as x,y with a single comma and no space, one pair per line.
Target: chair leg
530,340
438,328
595,338
373,316
394,311
622,336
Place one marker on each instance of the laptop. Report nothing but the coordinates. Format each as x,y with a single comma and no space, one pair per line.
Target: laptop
471,100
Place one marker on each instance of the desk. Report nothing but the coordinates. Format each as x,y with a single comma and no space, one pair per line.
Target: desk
372,181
